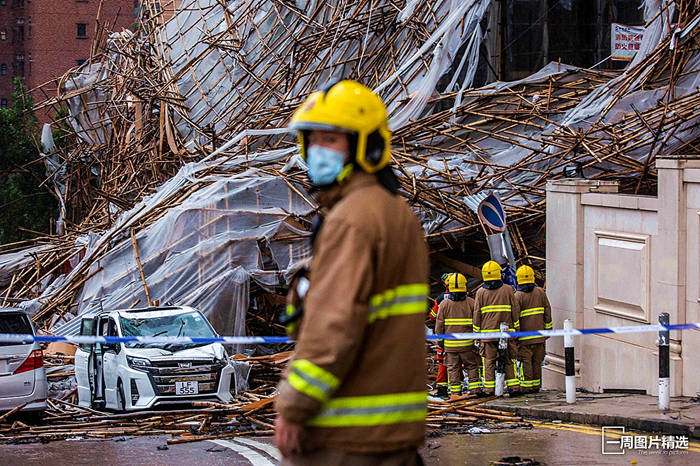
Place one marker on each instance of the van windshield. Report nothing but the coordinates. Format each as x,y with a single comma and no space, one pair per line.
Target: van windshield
16,324
191,324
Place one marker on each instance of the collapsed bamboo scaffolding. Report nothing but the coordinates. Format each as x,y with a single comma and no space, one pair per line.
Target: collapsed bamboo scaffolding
147,104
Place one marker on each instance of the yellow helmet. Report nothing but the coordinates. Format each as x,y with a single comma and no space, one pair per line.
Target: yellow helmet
457,283
525,274
491,271
350,107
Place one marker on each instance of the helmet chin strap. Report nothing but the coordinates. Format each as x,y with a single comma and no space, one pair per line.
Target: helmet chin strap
347,172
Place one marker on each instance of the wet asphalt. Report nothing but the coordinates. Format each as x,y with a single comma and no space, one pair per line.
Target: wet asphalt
546,443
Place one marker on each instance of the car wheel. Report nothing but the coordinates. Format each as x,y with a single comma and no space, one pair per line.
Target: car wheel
121,403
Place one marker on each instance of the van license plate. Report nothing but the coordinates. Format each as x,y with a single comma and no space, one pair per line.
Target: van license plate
186,388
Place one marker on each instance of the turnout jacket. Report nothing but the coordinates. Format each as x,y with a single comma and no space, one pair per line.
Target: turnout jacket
455,317
357,379
436,305
492,307
535,314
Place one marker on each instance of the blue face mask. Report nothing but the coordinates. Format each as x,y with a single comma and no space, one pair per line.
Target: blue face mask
324,164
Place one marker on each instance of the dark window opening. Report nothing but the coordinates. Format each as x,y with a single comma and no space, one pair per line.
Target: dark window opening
18,66
82,29
575,32
3,69
3,103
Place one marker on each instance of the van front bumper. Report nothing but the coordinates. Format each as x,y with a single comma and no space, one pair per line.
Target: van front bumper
141,386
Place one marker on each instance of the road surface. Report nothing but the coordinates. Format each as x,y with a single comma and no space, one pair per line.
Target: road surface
549,443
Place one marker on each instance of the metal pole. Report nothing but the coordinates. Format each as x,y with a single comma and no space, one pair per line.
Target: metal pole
664,363
570,364
501,362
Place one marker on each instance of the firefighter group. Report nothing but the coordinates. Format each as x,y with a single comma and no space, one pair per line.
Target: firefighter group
495,303
354,391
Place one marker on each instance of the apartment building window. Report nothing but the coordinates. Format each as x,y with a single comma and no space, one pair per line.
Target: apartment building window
81,30
80,62
3,103
3,35
20,30
29,60
29,27
3,2
3,69
19,65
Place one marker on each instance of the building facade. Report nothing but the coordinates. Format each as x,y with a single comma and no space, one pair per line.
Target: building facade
621,261
40,40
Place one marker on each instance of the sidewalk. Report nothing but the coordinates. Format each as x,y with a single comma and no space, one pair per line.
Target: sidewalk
638,412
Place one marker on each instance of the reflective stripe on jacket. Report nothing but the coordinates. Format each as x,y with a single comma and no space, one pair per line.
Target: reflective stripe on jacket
358,377
492,307
535,313
455,317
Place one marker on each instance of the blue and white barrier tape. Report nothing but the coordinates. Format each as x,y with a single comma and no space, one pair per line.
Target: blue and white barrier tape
11,338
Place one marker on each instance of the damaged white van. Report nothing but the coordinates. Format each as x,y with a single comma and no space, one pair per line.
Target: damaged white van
131,376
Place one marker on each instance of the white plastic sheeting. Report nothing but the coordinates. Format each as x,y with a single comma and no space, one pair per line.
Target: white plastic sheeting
56,171
88,114
217,82
13,261
449,37
203,252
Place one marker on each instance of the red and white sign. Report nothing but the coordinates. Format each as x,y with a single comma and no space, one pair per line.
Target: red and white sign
625,41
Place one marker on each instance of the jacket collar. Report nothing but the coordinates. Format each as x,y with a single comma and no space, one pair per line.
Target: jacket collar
493,284
328,197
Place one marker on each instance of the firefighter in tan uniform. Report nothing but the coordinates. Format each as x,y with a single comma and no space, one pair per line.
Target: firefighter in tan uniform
495,303
355,389
535,314
455,316
441,378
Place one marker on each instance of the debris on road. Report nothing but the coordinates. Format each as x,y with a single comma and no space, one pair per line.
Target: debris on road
250,414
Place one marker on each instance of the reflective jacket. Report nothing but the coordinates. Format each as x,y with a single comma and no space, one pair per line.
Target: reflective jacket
358,377
436,305
455,317
535,314
492,307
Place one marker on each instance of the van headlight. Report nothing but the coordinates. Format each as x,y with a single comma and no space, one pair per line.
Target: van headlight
138,363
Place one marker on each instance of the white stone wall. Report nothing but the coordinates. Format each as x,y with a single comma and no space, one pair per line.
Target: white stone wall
618,260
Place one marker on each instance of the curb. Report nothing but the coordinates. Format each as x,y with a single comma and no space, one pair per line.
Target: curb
647,425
